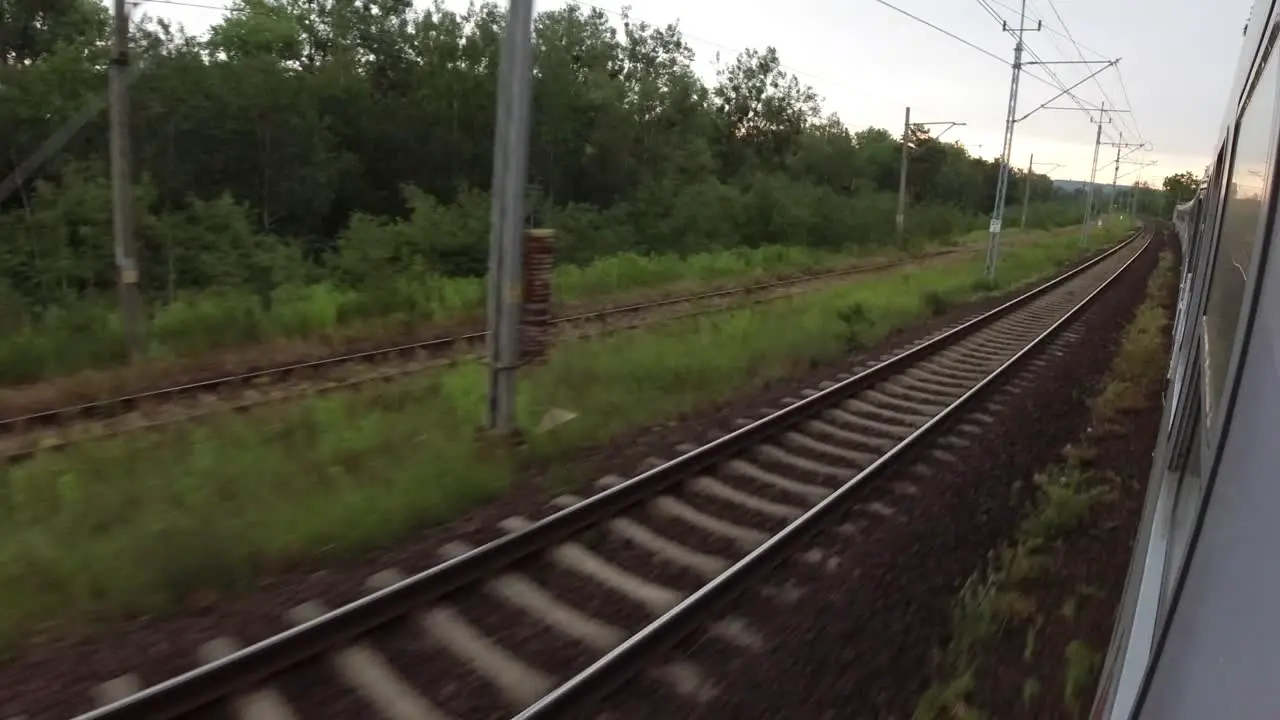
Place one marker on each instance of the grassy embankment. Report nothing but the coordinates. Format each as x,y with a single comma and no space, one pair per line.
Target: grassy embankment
321,317
1043,583
139,523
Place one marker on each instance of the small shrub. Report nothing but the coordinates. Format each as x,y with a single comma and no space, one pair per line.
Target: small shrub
858,325
984,285
935,302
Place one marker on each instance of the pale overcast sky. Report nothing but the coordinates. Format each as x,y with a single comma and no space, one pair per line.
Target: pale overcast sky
869,62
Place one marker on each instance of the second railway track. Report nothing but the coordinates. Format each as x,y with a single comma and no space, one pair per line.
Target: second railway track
27,433
553,614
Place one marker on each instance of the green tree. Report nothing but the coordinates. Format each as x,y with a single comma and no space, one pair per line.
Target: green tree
1182,186
348,144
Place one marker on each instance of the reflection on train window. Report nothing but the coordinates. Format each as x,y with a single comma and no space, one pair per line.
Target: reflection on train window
1243,210
1186,504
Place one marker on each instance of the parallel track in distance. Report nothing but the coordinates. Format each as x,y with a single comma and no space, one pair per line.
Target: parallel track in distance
671,544
421,355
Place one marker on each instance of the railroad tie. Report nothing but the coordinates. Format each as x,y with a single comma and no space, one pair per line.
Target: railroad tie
520,683
263,703
369,674
116,689
522,592
713,488
577,558
745,537
808,491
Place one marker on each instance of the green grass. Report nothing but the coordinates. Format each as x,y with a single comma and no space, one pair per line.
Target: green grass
141,523
88,336
1001,599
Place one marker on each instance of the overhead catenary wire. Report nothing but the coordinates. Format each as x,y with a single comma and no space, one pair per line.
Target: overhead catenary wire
1124,121
1080,49
986,5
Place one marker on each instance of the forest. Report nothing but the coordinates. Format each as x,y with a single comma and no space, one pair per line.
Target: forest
324,162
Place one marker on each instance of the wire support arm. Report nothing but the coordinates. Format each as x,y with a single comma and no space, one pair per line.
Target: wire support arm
1067,91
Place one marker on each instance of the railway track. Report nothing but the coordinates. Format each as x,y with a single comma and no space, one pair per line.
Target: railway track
552,614
24,435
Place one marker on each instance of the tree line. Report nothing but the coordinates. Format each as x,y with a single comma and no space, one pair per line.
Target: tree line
350,142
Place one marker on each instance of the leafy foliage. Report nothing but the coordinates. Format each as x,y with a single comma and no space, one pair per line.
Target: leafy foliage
1181,186
329,143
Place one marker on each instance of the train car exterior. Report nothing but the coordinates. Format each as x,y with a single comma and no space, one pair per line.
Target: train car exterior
1195,634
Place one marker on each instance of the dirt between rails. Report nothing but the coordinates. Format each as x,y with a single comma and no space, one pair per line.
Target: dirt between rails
858,642
53,678
93,385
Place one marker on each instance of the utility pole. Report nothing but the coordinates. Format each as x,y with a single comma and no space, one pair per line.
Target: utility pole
1115,176
1011,117
1093,173
1002,183
1133,202
1137,185
1026,196
900,218
1011,120
122,185
510,161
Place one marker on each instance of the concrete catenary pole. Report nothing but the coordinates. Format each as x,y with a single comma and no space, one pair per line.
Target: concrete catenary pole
122,185
899,220
510,161
1026,195
1115,176
1093,174
1002,183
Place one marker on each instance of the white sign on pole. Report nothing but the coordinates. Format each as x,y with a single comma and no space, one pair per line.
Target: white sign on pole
995,225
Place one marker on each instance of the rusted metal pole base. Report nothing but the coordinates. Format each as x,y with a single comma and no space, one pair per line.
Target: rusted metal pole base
497,441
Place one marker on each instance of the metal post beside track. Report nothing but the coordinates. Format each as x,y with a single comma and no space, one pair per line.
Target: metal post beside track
122,185
900,218
510,159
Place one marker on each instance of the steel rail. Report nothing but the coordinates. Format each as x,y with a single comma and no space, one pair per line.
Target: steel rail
43,446
665,631
245,668
96,408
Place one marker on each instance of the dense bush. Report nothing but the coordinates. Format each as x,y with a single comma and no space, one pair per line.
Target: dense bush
309,166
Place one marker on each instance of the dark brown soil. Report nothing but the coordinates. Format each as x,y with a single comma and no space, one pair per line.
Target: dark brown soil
53,679
1079,598
859,641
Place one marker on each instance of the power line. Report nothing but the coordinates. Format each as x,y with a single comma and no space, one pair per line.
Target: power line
202,6
948,33
1129,103
997,58
1049,28
985,4
738,50
1066,34
1080,54
1074,98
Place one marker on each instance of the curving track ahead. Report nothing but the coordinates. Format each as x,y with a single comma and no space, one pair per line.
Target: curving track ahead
499,630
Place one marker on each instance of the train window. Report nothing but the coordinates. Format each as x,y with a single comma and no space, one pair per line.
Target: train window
1186,409
1187,349
1243,211
1186,506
